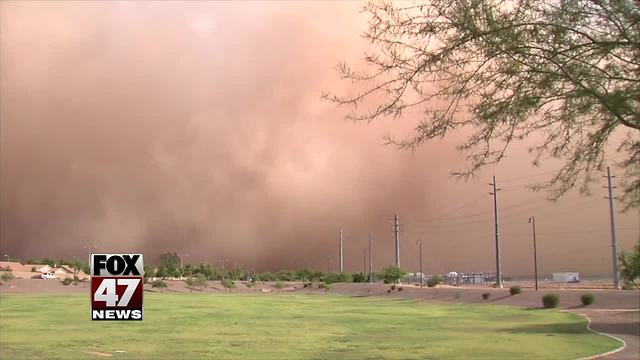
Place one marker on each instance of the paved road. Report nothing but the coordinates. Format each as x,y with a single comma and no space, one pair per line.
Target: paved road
623,324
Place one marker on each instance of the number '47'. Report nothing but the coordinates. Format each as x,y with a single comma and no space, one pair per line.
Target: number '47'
106,291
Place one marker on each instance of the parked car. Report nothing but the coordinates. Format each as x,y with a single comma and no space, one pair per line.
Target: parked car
48,276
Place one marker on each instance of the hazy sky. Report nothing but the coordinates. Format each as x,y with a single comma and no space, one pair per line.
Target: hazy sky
198,128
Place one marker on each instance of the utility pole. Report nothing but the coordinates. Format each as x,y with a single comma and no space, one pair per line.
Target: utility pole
495,213
421,275
370,262
396,231
364,259
182,261
341,253
223,270
614,244
532,221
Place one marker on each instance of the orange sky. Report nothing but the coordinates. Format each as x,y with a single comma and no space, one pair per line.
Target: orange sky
198,128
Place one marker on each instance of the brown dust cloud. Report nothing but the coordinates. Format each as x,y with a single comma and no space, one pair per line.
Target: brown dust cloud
198,128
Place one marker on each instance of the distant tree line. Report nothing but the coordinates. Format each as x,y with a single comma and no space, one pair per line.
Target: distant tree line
169,267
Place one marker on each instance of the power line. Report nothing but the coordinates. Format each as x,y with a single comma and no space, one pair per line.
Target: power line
454,210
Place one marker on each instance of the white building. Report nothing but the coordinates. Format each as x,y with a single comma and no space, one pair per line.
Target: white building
566,277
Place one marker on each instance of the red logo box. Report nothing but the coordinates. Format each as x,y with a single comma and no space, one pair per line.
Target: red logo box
116,298
116,286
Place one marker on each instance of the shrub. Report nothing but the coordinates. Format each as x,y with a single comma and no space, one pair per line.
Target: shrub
201,281
191,282
279,285
345,277
339,277
159,284
328,287
67,281
399,288
330,278
485,296
228,283
550,300
630,266
33,269
359,277
515,290
587,299
6,277
434,280
393,287
628,286
392,273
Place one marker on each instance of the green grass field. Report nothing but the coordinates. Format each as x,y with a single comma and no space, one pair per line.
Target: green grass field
201,326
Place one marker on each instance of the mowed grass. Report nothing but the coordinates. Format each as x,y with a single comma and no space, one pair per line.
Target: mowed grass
287,326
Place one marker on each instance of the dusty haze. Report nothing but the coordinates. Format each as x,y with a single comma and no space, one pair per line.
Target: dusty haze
198,128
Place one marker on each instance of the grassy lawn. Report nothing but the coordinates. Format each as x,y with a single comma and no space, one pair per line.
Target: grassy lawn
267,326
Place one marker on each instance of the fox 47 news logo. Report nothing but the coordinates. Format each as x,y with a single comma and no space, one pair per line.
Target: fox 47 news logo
116,286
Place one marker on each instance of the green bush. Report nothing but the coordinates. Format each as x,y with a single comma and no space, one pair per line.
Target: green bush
630,267
228,283
359,277
485,296
201,281
321,285
330,278
587,299
392,273
339,277
515,290
159,284
328,287
67,281
285,275
628,286
279,285
550,300
6,277
191,283
434,280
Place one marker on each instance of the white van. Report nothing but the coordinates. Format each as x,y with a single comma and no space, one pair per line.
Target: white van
48,276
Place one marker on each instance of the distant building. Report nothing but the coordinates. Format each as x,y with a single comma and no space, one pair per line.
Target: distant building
471,278
28,271
566,277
